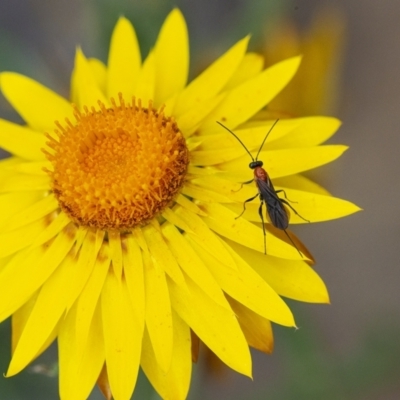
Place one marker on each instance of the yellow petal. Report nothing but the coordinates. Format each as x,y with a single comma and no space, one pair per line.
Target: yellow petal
280,163
169,105
27,271
174,219
216,156
300,182
53,229
147,80
208,84
87,91
133,271
223,221
123,61
79,368
250,66
49,307
162,255
230,190
41,108
138,235
190,120
175,383
7,172
192,265
317,208
23,183
245,100
20,238
292,279
115,252
3,262
121,348
158,313
16,202
247,287
201,234
33,213
311,131
198,193
81,267
6,163
216,326
171,61
19,320
21,141
99,72
188,205
256,329
32,168
79,239
88,299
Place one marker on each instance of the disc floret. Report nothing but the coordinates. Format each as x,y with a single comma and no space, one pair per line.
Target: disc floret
117,167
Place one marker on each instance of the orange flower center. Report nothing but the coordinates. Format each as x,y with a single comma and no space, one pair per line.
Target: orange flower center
118,167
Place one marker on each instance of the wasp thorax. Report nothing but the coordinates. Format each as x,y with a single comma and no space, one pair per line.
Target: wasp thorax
117,167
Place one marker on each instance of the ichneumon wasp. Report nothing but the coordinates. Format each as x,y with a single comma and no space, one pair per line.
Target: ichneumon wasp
275,206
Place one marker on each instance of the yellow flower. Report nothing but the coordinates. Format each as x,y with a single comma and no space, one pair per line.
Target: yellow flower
118,228
314,89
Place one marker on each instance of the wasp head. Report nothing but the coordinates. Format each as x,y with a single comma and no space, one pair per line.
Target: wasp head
255,164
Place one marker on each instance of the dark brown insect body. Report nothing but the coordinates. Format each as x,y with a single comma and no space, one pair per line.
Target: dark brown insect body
275,206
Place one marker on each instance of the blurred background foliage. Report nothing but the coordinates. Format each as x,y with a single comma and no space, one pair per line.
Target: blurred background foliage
349,350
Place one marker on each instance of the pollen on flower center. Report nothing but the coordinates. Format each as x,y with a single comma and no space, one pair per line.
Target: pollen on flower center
117,167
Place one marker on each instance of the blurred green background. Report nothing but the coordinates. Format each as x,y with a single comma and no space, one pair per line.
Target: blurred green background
349,349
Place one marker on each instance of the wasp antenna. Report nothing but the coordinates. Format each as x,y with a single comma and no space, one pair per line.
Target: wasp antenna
262,144
238,139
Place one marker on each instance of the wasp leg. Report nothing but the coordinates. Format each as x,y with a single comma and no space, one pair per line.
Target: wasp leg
284,193
263,225
244,205
285,202
241,186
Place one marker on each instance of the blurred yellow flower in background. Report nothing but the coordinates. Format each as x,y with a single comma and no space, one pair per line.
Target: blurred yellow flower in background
316,87
119,234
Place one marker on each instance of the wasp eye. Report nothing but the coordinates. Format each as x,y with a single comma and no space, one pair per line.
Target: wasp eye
255,164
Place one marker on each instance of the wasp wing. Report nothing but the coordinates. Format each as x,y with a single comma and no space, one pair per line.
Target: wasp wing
276,210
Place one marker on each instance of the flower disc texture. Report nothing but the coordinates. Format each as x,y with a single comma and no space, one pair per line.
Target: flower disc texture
118,226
